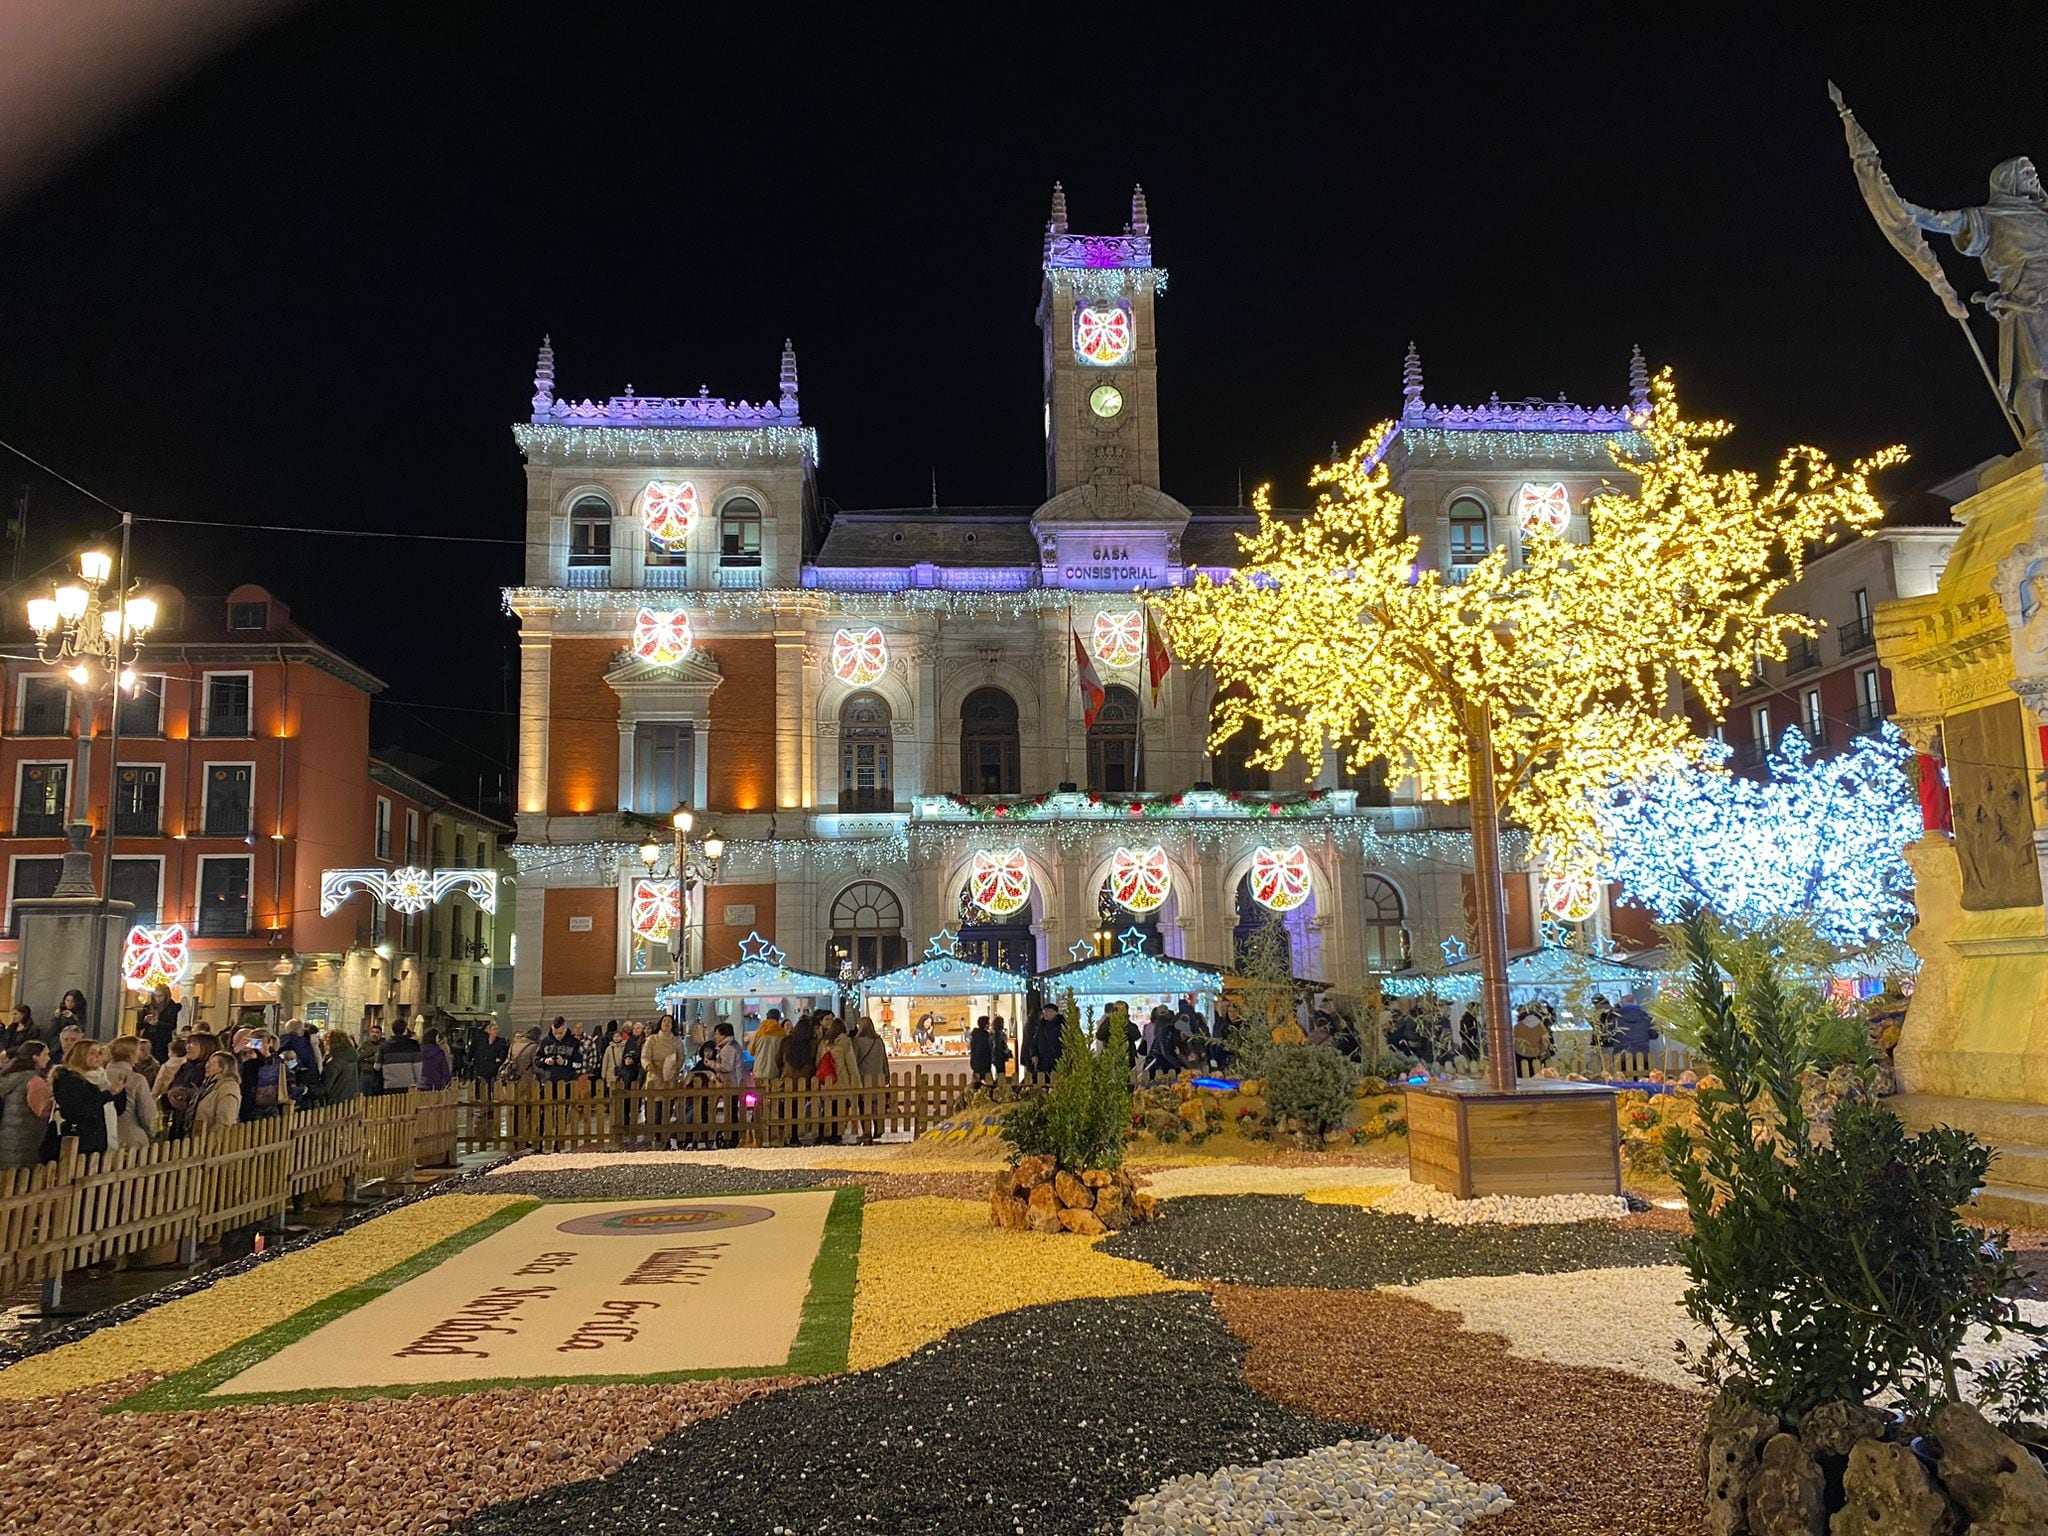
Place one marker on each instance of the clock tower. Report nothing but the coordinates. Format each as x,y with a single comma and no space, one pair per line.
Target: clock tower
1101,358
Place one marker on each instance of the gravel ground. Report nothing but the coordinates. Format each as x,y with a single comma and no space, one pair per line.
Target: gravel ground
1428,1203
1047,1421
393,1466
1623,1319
1243,1179
1383,1487
1581,1452
1279,1241
919,1186
649,1181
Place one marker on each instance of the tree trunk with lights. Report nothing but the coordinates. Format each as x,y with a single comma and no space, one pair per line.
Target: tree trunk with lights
1490,898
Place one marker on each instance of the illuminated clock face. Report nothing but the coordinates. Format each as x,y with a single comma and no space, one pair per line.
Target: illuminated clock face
1106,401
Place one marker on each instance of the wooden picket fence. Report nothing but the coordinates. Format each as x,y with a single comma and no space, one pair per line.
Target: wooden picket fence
529,1116
80,1211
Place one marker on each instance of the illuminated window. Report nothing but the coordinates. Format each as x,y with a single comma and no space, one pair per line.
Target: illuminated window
590,532
866,744
1386,940
1468,531
989,752
1113,766
739,533
867,928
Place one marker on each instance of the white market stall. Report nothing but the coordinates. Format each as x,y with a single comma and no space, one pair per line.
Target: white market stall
1138,979
755,983
944,994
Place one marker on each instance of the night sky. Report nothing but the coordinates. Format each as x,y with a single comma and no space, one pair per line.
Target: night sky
305,283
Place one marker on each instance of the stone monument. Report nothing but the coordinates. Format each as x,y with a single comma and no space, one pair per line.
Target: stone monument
73,939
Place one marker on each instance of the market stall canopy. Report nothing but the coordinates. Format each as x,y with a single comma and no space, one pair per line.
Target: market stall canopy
1123,975
1552,965
749,978
944,976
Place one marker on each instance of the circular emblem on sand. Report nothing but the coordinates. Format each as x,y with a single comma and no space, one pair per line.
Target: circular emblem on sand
654,1220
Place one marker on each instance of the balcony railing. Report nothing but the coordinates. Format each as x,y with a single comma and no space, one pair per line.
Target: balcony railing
739,578
1801,655
665,577
590,575
1855,636
866,801
1815,731
223,922
1751,754
1866,717
147,823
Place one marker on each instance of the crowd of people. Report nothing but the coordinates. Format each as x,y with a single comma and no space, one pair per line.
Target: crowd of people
1421,1030
164,1079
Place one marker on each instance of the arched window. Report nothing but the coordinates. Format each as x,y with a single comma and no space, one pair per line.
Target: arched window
1370,782
590,532
988,743
866,741
1468,530
1113,744
1233,770
867,928
739,534
1386,940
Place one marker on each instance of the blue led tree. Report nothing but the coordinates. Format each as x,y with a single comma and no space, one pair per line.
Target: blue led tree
1821,842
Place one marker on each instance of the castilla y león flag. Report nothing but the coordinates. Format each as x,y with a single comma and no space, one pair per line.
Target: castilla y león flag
1092,693
1158,659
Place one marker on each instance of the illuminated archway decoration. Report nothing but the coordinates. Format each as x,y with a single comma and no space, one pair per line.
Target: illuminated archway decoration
407,890
662,638
669,508
1119,637
999,883
155,957
1102,334
1543,508
1280,877
1571,895
655,910
859,656
1139,878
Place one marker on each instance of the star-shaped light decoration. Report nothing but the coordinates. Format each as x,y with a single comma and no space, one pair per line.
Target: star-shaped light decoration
1131,941
1454,950
1555,935
945,945
754,947
1081,949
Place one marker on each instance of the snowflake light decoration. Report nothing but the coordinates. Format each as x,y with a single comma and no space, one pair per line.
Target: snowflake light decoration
1119,637
1000,883
662,638
859,656
1543,508
1102,334
1280,877
654,911
1140,878
155,957
669,509
1822,841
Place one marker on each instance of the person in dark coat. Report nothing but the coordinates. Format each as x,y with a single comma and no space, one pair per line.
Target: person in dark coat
81,1100
1634,1028
165,1029
999,1053
487,1058
800,1051
980,1052
1164,1059
1042,1043
343,1077
560,1057
401,1059
436,1071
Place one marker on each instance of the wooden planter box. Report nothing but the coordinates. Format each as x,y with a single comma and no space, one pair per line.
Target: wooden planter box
1468,1139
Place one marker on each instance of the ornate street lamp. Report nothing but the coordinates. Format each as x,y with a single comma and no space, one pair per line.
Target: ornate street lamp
93,635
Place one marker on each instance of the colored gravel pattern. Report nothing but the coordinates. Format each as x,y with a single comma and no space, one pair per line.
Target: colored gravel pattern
200,1323
1244,1179
930,1266
1581,1452
651,1181
1384,1487
393,1466
1277,1241
1048,1421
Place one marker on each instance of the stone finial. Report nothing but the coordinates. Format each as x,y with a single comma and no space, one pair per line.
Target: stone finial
1141,218
1411,379
1057,224
1638,382
788,374
544,375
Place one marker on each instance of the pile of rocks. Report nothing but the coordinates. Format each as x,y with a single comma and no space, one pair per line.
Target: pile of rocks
1848,1472
1040,1196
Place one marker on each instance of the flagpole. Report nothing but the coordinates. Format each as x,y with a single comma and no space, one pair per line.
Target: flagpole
1067,693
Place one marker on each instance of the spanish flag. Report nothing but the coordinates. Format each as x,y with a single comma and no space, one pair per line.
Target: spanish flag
1092,691
1158,659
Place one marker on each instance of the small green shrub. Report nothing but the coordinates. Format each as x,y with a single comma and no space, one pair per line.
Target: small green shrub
1083,1118
1310,1084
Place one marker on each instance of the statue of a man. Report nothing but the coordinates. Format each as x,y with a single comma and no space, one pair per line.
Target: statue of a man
2010,235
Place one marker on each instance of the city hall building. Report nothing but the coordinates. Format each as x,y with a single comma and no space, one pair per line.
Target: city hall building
881,714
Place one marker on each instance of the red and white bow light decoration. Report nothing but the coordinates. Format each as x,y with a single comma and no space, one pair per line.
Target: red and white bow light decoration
662,638
155,957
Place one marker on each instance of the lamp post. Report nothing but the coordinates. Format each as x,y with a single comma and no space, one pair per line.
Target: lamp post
690,870
94,637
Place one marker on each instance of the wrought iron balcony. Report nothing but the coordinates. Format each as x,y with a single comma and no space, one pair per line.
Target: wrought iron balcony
1855,636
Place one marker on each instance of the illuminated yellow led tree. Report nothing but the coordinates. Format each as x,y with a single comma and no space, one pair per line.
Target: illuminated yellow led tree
1531,686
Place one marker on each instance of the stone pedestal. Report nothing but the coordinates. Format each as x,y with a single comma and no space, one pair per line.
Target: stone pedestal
1969,666
73,939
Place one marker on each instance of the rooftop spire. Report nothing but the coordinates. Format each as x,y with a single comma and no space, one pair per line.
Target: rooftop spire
1411,379
788,374
1141,220
544,375
1057,224
1638,382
